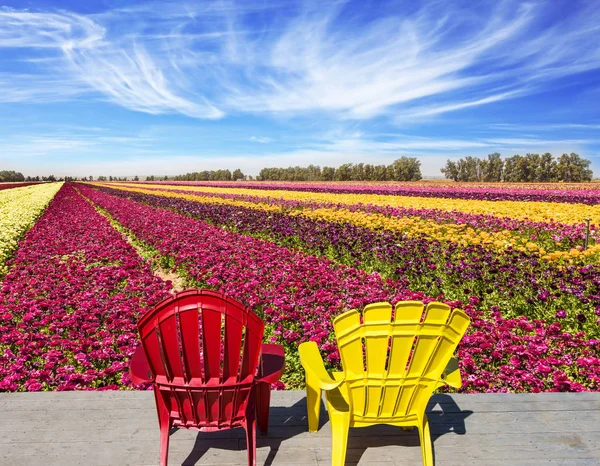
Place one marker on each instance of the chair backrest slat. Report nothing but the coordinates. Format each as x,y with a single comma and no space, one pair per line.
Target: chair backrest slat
190,339
168,338
234,330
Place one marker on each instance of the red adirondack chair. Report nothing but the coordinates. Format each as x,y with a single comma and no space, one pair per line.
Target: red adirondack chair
204,354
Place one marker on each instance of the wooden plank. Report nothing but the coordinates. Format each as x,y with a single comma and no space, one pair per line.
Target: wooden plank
101,428
484,422
144,399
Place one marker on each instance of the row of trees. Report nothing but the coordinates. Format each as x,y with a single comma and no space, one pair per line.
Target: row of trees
111,178
211,175
518,168
402,169
9,176
527,168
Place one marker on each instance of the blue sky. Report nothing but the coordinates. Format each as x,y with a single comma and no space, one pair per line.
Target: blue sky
126,88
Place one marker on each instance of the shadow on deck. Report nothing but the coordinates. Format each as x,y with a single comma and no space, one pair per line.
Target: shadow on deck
120,428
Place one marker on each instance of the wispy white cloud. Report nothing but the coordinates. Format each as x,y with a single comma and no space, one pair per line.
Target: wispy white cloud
42,145
530,142
260,139
439,109
71,141
84,151
543,127
210,59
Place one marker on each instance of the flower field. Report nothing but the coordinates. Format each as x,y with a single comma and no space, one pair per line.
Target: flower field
300,254
69,303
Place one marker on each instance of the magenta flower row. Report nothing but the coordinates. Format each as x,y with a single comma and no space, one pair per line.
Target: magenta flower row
69,304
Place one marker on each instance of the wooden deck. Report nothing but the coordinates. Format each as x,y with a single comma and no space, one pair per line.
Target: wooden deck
120,428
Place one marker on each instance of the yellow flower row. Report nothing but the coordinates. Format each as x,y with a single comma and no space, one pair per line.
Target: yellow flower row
19,210
410,226
535,211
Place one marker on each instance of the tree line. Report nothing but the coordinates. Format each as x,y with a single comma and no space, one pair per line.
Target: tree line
111,178
520,168
10,176
402,169
211,175
528,168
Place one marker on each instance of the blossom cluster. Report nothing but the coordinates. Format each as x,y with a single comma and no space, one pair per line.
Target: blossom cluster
298,293
19,209
70,302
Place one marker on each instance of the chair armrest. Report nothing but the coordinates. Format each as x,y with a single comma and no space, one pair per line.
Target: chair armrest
272,363
451,375
139,369
315,369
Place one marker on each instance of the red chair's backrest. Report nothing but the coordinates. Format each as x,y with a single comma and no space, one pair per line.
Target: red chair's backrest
203,350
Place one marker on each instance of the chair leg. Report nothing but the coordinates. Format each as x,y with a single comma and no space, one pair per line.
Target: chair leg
425,439
263,401
251,439
313,404
340,425
165,424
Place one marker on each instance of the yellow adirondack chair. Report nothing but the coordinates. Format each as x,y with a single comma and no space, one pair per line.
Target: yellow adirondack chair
385,387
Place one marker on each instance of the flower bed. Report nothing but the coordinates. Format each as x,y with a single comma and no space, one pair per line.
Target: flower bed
19,209
555,240
536,288
69,304
299,294
538,211
574,193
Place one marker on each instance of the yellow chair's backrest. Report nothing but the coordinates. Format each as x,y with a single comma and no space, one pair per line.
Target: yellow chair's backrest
391,367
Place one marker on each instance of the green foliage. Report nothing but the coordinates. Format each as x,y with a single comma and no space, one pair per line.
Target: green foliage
11,176
206,175
402,169
529,168
237,175
571,167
